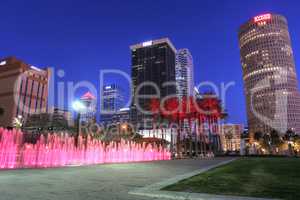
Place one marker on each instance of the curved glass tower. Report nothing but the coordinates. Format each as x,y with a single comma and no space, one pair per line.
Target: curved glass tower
270,80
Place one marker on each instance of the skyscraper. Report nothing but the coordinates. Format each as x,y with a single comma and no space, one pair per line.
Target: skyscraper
270,80
23,90
184,73
88,115
112,100
153,62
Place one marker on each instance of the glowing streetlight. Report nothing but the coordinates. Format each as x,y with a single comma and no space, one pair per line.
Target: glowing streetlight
124,127
79,107
18,122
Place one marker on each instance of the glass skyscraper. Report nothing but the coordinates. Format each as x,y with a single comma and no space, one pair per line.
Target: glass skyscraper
152,62
112,100
184,73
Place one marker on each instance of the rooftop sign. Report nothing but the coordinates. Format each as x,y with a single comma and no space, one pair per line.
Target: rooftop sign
262,17
148,43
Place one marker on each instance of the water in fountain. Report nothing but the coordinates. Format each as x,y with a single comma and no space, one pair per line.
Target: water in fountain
60,150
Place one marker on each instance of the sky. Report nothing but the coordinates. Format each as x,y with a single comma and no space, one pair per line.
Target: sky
83,37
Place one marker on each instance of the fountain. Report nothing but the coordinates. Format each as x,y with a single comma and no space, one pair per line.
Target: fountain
58,150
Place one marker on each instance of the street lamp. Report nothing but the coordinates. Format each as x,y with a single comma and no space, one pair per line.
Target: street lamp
124,127
18,122
79,107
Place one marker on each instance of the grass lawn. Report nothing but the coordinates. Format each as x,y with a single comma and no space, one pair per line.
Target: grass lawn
255,177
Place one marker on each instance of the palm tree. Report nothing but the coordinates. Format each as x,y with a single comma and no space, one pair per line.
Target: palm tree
1,111
258,136
266,141
290,137
177,110
275,139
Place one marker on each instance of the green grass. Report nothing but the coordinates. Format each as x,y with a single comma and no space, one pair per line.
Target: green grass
255,177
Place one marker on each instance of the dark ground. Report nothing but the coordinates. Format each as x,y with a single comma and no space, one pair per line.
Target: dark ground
255,177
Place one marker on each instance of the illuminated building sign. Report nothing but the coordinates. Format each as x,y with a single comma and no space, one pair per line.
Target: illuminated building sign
262,17
148,43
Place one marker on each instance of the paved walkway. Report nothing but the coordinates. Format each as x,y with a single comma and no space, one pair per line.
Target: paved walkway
110,181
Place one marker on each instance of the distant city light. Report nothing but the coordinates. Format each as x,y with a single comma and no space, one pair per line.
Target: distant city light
3,62
262,17
148,43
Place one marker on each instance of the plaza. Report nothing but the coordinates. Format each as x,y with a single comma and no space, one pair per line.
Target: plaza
105,182
144,100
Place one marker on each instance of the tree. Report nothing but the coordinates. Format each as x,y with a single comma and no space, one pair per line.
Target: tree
207,110
290,137
266,142
245,134
258,136
1,111
275,138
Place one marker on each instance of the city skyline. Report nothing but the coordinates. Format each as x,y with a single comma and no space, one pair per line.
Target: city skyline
62,56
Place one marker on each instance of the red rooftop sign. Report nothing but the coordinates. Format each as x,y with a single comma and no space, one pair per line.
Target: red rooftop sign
262,17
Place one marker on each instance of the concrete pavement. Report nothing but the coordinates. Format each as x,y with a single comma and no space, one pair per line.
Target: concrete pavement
109,181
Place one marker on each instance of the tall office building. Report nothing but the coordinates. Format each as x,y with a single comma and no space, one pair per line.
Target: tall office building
270,80
112,100
23,90
88,115
152,62
184,73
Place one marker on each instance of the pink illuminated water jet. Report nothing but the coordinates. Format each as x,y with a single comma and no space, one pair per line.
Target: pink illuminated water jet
60,150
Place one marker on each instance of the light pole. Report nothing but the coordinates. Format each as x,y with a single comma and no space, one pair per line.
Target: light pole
79,107
124,127
18,122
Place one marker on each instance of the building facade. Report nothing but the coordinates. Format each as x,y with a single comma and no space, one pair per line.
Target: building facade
112,100
62,114
270,80
121,116
153,73
88,114
55,120
184,73
23,90
230,135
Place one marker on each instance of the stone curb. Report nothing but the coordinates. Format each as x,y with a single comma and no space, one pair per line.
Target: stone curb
155,191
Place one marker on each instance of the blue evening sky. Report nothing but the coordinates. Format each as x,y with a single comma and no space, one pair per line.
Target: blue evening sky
83,37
